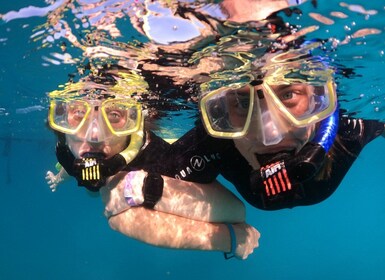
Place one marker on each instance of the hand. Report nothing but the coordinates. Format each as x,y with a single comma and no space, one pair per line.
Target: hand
247,240
53,180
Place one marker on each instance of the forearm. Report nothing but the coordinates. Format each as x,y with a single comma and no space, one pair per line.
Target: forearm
170,231
205,202
202,202
165,230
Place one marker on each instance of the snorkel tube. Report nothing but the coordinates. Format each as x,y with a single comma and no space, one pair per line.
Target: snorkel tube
279,178
92,170
116,163
311,157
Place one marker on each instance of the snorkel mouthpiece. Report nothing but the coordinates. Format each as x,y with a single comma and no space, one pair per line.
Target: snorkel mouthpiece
92,169
88,171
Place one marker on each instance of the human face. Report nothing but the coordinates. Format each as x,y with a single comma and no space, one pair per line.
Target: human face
229,111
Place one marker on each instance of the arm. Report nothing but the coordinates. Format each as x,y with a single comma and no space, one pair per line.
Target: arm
170,231
203,202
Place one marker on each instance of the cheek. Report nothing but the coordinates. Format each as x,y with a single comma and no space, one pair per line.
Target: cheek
301,108
74,146
116,146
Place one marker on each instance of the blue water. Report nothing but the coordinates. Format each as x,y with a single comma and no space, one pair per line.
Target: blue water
63,235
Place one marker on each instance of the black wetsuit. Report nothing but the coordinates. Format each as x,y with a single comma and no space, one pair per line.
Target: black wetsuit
199,157
151,157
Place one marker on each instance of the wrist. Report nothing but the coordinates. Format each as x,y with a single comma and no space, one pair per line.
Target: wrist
233,242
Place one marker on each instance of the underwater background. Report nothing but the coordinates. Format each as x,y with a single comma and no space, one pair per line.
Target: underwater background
64,235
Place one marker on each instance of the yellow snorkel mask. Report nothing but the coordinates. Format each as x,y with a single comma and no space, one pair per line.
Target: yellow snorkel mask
287,95
85,114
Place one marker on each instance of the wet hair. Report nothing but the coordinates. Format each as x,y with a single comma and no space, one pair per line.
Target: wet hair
326,170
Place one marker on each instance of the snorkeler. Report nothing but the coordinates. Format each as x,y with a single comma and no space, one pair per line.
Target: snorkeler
275,133
290,146
99,123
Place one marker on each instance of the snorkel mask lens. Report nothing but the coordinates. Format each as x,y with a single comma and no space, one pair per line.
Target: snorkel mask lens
68,116
303,104
226,112
122,117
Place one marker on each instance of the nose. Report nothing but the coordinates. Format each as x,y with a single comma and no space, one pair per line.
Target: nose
264,124
95,132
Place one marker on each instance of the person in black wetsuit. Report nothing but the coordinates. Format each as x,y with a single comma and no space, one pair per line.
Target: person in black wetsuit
278,153
101,138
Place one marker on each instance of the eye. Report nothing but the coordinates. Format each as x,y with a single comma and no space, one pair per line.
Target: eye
295,98
76,113
286,96
291,95
79,113
243,101
115,116
240,100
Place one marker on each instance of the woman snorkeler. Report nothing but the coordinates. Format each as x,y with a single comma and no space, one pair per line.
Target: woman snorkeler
99,123
275,133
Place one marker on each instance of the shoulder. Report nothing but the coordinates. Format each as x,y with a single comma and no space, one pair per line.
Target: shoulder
197,139
356,128
355,133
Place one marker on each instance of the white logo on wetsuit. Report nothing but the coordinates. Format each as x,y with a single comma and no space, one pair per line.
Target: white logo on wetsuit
197,163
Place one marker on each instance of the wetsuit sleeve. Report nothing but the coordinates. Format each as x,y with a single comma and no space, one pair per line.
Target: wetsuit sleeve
356,133
195,157
152,156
